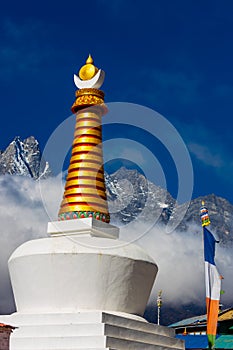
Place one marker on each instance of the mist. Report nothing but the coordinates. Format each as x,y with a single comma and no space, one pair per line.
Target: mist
26,206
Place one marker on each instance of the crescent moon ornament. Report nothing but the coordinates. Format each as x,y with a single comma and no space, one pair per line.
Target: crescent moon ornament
96,82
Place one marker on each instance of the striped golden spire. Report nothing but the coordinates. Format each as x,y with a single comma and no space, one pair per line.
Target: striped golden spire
85,192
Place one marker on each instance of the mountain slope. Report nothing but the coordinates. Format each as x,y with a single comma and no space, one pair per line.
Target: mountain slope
130,194
220,212
24,158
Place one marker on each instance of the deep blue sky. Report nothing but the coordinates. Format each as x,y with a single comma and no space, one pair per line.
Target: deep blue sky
172,56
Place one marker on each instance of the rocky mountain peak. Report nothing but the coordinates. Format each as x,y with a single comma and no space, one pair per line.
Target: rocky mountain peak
130,194
220,212
23,157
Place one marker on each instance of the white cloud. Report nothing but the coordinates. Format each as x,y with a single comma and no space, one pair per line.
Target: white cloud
180,259
204,154
126,149
135,155
179,255
209,148
22,218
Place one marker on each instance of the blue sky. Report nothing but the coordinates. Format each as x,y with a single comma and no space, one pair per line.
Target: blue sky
174,57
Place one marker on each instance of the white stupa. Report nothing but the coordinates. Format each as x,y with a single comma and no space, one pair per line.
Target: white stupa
83,288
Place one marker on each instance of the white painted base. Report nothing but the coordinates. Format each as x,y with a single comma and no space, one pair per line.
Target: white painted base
80,227
60,281
88,330
69,273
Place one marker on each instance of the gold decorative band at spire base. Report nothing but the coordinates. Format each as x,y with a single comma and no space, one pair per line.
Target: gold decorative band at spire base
85,192
89,97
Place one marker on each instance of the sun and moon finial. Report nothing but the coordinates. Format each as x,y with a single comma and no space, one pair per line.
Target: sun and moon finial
89,76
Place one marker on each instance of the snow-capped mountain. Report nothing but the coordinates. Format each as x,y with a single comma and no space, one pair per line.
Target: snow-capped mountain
24,158
130,194
221,215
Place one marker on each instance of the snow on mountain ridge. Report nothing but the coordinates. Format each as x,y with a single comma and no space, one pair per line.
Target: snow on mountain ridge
24,158
129,193
155,204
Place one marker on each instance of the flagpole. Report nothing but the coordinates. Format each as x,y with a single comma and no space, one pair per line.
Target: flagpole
212,279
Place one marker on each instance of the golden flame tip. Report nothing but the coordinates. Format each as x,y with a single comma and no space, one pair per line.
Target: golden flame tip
89,59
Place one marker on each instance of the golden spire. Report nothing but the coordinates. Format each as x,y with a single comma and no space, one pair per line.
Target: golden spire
88,71
85,192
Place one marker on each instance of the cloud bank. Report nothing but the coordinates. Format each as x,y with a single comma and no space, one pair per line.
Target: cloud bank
179,256
22,218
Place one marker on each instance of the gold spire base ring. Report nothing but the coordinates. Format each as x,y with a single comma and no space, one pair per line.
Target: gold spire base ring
87,98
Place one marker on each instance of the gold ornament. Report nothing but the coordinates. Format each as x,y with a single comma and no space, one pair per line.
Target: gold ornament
88,71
